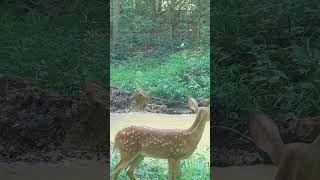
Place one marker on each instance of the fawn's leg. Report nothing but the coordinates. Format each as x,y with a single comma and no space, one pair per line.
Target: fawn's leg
133,165
288,166
174,169
126,158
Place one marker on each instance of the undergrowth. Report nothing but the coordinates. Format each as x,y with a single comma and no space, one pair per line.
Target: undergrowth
56,48
183,74
266,57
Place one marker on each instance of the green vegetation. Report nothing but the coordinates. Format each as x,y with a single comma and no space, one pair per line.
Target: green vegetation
266,56
56,45
161,47
194,168
175,77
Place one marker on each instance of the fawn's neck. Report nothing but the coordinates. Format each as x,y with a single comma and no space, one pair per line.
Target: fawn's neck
197,128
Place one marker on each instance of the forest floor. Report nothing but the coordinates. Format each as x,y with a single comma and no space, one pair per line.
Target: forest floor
66,169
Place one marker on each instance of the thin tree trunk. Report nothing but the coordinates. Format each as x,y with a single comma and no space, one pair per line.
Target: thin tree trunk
159,5
116,22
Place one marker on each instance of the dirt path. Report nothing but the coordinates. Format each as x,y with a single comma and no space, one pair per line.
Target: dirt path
66,170
261,172
156,120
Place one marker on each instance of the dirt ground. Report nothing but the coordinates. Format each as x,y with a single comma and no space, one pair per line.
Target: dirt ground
33,127
64,170
257,172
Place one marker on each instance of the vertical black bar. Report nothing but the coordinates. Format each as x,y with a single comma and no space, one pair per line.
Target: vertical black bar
109,90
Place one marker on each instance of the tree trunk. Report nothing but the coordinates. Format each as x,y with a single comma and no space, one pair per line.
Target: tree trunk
116,22
159,5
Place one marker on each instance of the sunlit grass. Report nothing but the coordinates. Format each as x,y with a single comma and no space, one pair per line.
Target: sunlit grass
176,77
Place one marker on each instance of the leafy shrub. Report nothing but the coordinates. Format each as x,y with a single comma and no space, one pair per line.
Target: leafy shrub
266,56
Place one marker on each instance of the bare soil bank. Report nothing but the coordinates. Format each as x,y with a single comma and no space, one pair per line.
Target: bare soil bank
34,123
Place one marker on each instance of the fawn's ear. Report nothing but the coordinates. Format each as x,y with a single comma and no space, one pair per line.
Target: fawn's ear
192,103
265,135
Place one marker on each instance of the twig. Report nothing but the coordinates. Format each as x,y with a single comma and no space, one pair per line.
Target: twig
235,131
75,5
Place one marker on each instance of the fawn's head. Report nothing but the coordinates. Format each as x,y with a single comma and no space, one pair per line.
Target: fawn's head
193,104
299,161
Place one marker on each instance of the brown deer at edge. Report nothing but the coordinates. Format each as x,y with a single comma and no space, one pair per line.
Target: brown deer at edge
136,142
295,161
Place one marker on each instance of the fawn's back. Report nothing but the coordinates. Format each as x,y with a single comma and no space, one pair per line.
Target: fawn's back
152,142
